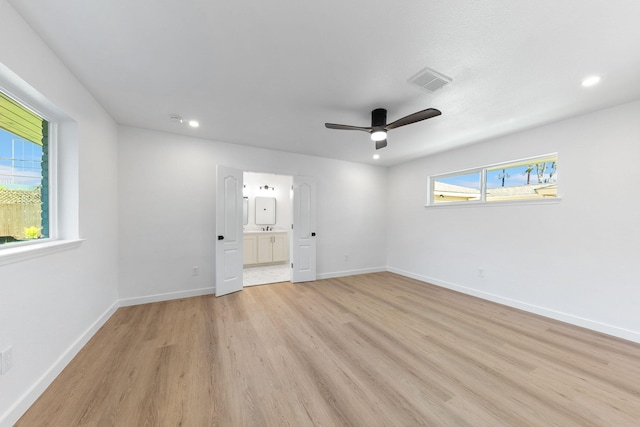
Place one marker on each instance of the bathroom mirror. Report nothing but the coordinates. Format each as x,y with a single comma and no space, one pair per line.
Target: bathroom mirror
265,210
245,210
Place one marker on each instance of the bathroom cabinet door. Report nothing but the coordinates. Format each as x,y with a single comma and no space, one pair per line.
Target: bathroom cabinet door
250,249
265,248
279,247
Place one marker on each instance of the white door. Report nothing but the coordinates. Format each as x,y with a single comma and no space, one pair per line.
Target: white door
303,256
228,231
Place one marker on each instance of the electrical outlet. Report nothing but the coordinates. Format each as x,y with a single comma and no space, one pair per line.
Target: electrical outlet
6,360
346,257
196,271
481,273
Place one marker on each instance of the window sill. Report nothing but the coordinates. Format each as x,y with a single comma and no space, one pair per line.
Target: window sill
25,252
479,204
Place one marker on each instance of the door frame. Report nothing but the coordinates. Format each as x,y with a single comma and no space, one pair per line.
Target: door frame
291,174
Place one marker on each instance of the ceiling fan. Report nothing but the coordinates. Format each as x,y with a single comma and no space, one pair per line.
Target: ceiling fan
379,126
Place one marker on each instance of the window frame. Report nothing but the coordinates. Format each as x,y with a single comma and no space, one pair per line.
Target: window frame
62,164
482,170
52,165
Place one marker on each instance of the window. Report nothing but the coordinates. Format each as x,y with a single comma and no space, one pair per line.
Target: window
24,167
457,187
39,173
529,179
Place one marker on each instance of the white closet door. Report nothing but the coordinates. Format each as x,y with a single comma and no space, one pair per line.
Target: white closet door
303,265
228,231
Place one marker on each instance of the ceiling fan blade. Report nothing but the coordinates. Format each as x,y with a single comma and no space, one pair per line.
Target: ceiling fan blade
413,118
346,127
381,144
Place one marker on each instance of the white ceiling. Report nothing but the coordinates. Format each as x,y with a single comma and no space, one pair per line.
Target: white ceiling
271,73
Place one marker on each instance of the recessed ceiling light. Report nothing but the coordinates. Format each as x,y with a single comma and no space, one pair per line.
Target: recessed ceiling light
591,81
193,123
376,156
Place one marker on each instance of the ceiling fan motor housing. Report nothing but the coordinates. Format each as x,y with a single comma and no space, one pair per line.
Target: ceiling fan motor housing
378,118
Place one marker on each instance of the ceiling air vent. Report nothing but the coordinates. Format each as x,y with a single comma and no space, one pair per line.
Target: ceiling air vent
430,80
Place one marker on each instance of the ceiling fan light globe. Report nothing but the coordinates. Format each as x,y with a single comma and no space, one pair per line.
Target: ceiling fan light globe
378,135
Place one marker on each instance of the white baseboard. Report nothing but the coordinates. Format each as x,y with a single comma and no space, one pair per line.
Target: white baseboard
345,273
23,403
542,311
166,297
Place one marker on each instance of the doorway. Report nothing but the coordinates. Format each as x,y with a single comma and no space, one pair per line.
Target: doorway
267,227
230,242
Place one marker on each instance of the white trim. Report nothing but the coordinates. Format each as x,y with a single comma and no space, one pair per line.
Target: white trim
483,185
478,203
346,273
593,325
11,254
166,297
52,162
33,393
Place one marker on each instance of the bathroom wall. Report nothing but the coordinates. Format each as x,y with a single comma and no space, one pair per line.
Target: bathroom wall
281,192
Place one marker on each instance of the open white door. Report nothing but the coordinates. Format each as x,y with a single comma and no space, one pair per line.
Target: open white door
228,231
303,256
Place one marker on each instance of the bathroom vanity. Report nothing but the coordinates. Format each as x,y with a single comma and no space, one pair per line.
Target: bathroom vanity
264,247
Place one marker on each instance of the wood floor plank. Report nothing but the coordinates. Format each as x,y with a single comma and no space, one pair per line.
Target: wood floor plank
370,350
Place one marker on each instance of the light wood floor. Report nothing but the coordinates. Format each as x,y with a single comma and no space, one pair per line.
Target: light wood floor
370,350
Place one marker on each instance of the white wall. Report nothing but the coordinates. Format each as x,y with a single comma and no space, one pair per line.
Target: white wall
49,306
282,193
167,211
576,261
147,209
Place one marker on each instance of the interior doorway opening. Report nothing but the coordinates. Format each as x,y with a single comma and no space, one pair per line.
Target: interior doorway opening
267,228
301,248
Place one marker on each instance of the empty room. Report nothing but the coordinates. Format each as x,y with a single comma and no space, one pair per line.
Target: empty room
319,213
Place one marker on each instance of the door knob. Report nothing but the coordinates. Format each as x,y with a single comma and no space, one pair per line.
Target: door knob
220,237
313,234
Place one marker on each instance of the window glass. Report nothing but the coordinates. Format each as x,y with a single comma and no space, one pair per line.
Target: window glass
529,179
532,179
457,188
23,184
